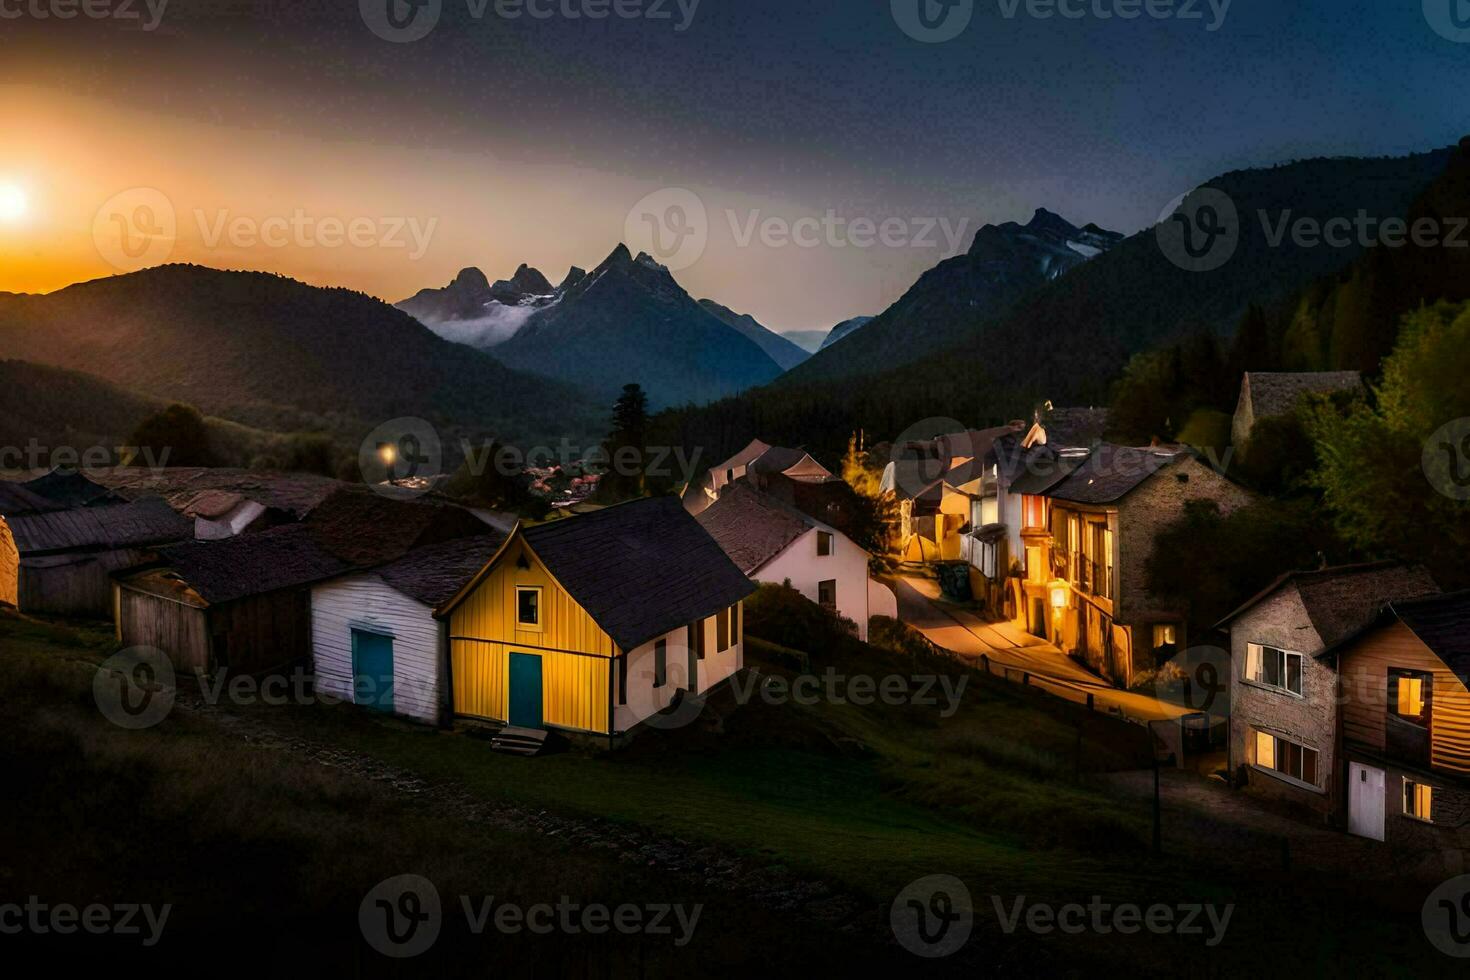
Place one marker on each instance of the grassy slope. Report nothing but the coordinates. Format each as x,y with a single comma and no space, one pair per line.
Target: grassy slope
867,798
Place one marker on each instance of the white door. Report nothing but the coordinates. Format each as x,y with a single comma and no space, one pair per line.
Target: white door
1365,801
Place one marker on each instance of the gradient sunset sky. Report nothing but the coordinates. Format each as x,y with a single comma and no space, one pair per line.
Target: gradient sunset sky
530,140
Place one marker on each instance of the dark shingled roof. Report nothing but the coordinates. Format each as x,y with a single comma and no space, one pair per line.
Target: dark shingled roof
15,500
753,527
366,529
142,523
298,493
1111,473
1276,393
640,569
69,488
1442,623
253,564
433,574
1343,599
1042,468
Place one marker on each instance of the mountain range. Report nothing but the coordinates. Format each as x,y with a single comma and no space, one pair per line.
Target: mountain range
627,321
273,353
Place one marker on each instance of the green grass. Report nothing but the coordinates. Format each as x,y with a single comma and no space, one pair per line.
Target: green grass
865,798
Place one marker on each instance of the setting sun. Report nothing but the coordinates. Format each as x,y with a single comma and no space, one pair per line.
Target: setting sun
12,202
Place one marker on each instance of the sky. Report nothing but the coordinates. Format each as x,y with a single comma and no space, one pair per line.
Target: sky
799,160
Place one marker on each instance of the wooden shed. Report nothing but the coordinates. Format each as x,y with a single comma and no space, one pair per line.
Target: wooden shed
243,604
66,556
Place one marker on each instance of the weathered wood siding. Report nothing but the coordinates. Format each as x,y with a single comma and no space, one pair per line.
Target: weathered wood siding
9,567
72,584
178,629
367,602
259,634
1364,670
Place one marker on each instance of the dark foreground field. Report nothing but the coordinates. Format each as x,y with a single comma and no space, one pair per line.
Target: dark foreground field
793,828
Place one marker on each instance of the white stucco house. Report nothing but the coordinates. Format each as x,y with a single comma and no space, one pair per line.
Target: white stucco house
771,541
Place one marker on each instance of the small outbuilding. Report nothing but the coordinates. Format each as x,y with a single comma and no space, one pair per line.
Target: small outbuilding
374,638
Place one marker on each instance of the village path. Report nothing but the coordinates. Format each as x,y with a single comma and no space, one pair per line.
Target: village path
970,637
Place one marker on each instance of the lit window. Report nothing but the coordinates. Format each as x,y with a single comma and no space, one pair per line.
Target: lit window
528,607
824,543
1286,757
1409,696
1166,636
1274,668
1418,801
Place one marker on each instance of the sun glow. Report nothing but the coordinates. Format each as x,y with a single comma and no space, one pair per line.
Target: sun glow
13,203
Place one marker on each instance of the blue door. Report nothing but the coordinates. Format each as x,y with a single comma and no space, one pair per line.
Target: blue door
525,690
372,670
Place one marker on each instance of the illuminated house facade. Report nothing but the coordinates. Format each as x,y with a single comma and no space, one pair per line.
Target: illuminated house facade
1283,694
1404,727
593,624
1089,520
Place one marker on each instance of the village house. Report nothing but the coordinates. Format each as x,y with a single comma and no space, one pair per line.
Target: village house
64,556
772,542
1283,696
1089,521
1266,395
1404,728
243,604
935,483
591,625
374,638
770,468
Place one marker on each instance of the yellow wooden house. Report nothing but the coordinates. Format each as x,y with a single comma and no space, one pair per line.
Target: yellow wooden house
594,624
